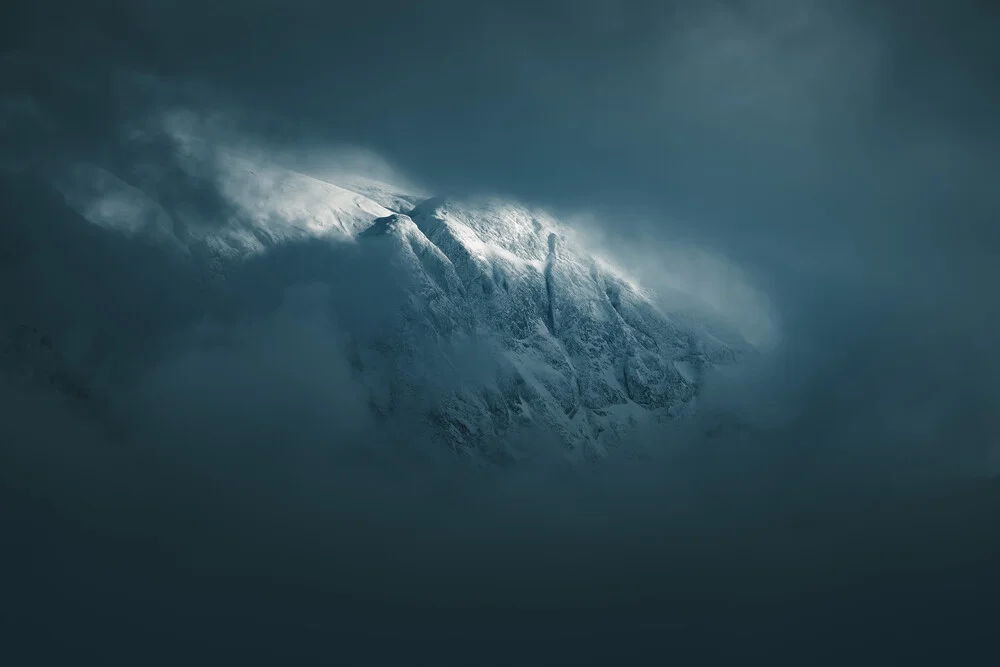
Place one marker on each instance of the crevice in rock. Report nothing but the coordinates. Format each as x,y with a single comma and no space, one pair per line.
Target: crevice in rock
550,261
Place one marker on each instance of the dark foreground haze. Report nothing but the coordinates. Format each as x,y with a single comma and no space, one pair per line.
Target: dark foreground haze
233,550
242,507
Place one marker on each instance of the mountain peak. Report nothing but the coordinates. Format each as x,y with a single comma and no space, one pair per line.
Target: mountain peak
579,350
392,224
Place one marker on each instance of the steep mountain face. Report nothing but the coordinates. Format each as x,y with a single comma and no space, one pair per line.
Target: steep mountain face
575,347
491,319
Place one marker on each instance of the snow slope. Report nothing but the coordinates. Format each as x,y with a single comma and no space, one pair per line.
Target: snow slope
575,347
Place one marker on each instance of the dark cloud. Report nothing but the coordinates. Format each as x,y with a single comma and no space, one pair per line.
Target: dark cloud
843,154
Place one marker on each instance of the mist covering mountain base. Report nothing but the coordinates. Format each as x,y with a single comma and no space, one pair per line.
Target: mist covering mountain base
474,322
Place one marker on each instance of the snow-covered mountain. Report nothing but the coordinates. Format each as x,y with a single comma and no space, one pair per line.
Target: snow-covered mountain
576,347
491,319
